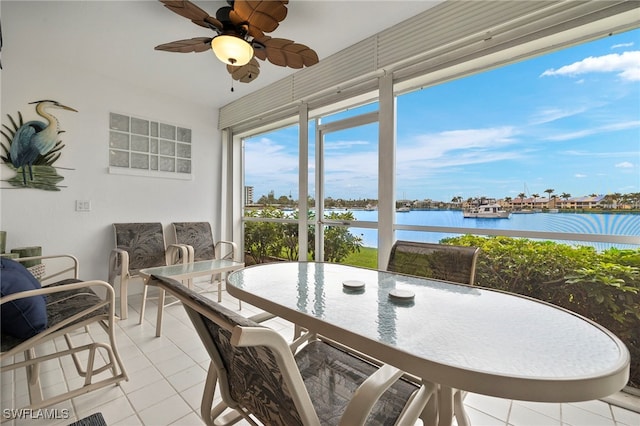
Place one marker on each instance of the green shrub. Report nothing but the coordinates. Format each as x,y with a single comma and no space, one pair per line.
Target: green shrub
264,240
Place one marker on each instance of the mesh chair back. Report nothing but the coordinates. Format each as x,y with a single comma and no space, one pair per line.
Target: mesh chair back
439,261
199,236
249,377
144,242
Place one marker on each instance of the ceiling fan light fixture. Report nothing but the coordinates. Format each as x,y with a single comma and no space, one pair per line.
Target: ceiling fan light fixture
232,50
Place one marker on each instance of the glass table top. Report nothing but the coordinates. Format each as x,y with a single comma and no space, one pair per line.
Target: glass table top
467,327
193,269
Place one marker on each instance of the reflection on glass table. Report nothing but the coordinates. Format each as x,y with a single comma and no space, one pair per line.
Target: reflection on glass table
460,337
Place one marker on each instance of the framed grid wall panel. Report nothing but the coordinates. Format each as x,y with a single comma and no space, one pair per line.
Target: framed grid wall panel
144,147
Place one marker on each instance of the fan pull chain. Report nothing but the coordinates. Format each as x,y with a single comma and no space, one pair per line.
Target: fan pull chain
231,83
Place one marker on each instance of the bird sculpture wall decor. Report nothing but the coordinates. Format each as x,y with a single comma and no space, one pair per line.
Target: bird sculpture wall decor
240,37
34,143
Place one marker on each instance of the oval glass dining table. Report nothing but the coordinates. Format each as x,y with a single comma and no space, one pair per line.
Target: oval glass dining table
457,336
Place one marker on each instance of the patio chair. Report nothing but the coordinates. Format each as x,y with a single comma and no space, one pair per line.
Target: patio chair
197,237
35,313
139,246
261,378
439,261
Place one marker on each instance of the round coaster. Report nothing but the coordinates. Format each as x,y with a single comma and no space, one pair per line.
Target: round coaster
401,294
353,284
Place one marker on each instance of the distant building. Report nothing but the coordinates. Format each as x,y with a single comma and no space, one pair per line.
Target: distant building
248,195
589,202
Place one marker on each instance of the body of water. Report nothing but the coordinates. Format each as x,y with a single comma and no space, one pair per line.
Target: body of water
607,224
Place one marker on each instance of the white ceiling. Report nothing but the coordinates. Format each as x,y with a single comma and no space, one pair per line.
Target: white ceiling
117,39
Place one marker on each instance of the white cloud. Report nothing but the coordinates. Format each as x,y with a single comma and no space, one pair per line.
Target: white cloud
595,130
270,167
624,165
626,64
580,175
621,45
552,114
435,145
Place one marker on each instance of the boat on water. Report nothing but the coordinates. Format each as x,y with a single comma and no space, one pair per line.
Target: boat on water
486,211
403,209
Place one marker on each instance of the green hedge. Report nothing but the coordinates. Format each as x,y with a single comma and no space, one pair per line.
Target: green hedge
602,286
268,240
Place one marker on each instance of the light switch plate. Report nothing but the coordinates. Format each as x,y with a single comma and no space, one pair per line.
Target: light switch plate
83,205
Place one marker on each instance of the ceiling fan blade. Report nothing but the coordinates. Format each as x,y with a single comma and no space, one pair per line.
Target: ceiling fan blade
265,15
198,44
246,73
286,53
194,13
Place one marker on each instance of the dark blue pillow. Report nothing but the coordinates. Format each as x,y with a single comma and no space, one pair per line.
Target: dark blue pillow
20,318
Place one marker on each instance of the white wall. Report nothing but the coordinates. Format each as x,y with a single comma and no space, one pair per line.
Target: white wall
48,218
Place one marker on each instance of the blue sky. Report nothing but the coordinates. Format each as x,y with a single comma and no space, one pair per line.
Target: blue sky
569,121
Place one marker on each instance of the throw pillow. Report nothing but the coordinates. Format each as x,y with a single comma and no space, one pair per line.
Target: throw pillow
20,318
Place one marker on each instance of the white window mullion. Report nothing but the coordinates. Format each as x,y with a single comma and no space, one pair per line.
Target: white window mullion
303,183
386,169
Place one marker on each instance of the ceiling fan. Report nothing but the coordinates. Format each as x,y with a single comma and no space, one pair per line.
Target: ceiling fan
240,37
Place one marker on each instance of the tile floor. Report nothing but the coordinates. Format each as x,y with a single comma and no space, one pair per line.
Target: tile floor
166,380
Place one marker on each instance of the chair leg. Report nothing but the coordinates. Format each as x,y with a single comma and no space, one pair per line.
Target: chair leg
161,297
445,406
33,377
124,297
143,304
214,416
458,408
89,372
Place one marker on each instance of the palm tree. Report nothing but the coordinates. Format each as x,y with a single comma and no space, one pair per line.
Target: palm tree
549,191
535,197
565,196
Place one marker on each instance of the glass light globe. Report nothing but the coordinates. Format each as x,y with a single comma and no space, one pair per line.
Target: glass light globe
232,50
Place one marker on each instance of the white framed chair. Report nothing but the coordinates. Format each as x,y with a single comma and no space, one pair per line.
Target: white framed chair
261,379
198,239
71,306
139,246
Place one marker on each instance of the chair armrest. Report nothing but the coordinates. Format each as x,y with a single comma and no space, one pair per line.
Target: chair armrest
262,317
179,253
110,293
372,389
231,255
368,394
58,269
118,264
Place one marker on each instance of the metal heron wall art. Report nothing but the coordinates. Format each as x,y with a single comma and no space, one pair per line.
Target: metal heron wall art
34,145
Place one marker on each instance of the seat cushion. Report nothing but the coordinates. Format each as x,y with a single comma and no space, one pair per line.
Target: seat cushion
21,318
332,376
63,305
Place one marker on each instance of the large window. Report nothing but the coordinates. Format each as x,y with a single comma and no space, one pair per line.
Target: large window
552,141
556,134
